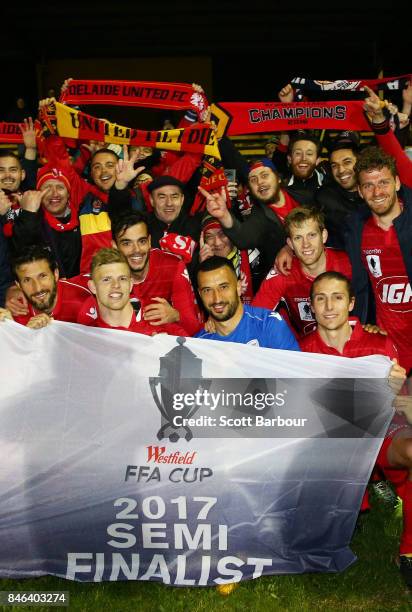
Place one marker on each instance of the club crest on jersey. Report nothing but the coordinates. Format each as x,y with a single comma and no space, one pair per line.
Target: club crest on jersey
96,206
374,265
305,311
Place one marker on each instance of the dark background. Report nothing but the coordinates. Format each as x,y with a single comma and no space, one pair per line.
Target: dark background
235,53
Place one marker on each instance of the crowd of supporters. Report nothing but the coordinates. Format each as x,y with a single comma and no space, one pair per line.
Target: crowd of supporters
297,250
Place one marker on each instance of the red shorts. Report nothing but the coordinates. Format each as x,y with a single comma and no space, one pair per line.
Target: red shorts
397,476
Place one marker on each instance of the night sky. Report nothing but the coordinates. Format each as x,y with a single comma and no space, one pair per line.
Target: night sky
251,52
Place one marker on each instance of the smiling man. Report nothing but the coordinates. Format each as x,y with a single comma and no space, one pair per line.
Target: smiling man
339,198
263,228
303,179
111,283
378,240
161,288
103,169
170,214
47,296
307,236
220,292
337,334
160,281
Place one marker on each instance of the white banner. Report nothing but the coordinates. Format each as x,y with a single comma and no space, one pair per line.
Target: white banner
189,462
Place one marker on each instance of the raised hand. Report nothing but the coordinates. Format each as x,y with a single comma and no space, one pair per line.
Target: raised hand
373,106
205,250
5,203
16,301
283,261
65,85
407,95
286,94
31,200
29,138
216,206
125,171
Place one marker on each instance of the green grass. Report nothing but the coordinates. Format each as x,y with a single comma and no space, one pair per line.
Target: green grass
372,583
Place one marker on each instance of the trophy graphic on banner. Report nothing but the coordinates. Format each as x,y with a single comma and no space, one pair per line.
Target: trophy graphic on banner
180,372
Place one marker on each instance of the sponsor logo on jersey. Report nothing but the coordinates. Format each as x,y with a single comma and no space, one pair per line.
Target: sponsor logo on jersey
374,265
92,313
275,315
396,290
372,251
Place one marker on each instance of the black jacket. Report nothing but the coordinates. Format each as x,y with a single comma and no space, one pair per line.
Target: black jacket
31,228
336,204
261,230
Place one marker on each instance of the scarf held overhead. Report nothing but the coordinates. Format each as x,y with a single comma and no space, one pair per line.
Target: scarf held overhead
253,117
173,96
383,84
70,123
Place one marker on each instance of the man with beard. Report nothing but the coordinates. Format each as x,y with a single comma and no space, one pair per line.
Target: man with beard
340,197
303,157
297,159
378,241
263,228
220,292
47,297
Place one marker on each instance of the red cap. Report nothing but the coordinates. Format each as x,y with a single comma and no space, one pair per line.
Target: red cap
50,172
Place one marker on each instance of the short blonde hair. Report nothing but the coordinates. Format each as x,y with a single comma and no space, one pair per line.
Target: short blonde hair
299,215
107,256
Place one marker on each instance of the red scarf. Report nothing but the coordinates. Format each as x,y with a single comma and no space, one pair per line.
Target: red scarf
57,225
384,84
212,179
253,117
11,132
174,96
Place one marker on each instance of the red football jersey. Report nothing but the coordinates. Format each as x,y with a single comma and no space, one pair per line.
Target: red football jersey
166,278
143,327
360,344
70,301
294,290
383,259
289,205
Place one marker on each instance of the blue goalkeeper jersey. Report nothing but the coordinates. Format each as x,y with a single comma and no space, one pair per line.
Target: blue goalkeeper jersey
259,327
